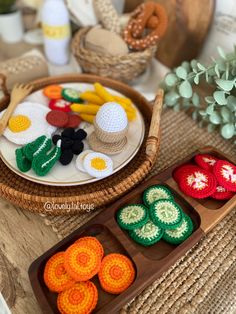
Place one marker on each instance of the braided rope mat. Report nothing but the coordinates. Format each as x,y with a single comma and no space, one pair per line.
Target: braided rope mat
204,280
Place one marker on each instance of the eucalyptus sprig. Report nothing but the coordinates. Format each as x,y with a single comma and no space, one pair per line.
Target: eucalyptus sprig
219,109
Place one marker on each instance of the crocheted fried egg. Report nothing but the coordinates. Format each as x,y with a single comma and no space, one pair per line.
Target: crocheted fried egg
27,123
98,165
80,160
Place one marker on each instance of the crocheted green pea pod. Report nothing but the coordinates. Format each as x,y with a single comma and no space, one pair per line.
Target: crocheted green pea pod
43,163
40,146
22,162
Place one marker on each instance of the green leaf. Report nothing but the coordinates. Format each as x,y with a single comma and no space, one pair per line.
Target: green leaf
171,79
202,113
221,53
171,98
226,85
209,99
186,65
226,114
193,64
210,109
201,67
227,131
231,103
221,65
217,70
181,73
195,100
215,118
196,79
219,97
185,89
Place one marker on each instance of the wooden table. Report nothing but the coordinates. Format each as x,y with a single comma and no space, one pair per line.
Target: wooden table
24,237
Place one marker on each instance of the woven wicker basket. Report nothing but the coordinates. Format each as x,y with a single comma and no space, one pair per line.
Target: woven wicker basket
124,68
33,196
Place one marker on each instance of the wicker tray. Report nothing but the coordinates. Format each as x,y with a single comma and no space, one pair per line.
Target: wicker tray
72,200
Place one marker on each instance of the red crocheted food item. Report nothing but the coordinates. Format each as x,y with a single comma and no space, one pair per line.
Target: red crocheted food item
60,104
225,173
198,183
205,161
57,118
222,194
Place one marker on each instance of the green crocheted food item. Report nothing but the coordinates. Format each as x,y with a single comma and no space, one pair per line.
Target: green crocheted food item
40,146
22,162
180,234
43,163
155,193
71,95
147,235
166,214
132,216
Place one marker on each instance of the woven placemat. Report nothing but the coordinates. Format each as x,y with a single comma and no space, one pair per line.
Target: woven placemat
203,281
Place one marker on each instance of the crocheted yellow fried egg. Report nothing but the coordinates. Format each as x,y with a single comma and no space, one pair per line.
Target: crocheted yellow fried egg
27,123
98,165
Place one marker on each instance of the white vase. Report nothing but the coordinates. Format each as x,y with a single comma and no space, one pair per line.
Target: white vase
11,27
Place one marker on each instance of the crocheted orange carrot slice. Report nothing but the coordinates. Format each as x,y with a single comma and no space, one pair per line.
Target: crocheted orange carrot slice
116,273
53,91
55,276
82,262
80,299
94,243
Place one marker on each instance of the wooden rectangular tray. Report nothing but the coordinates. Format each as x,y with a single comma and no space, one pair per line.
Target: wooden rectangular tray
150,262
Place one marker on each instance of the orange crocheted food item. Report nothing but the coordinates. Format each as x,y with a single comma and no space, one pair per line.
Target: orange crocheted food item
80,299
94,243
148,23
55,276
116,273
82,262
53,91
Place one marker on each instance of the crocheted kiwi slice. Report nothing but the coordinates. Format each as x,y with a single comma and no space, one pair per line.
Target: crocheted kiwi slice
132,216
166,214
155,193
181,233
147,235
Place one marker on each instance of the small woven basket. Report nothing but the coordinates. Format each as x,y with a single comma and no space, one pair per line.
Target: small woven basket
33,196
124,68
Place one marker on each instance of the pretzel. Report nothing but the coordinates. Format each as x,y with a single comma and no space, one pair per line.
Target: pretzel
148,16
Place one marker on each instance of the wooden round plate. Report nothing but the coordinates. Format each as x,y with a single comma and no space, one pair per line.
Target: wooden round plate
69,175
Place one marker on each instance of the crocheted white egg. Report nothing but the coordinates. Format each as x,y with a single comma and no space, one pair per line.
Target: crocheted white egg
111,117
